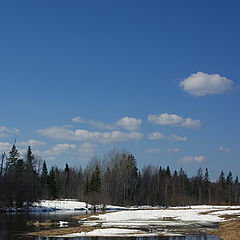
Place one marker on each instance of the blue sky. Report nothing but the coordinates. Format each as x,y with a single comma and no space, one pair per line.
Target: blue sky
158,78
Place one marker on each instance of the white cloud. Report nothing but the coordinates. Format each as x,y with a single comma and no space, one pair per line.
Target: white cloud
174,137
101,125
172,150
85,151
64,133
62,148
224,149
153,150
189,159
156,135
201,84
128,123
31,142
78,119
173,119
5,147
6,131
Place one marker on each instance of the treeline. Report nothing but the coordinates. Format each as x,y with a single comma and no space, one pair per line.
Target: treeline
115,180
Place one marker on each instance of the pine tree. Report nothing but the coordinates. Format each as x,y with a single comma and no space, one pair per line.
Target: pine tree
95,182
221,187
29,161
200,183
236,189
52,184
206,186
86,187
12,160
44,180
229,187
30,178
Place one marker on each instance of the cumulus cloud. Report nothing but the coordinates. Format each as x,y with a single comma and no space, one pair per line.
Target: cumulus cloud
156,135
5,147
4,131
64,133
173,119
174,137
190,159
128,123
101,125
85,150
201,84
153,150
172,150
77,119
31,142
224,149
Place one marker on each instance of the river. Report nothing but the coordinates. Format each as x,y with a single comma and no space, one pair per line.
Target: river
14,227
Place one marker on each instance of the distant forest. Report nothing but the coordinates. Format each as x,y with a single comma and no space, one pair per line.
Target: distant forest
115,180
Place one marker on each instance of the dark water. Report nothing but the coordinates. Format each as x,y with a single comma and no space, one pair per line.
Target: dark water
14,227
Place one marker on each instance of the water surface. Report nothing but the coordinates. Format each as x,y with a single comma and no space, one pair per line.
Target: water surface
14,227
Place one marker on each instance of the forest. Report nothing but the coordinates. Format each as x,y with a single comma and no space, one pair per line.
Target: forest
114,180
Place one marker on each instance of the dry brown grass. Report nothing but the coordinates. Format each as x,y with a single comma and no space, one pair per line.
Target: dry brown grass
89,217
61,231
46,224
228,230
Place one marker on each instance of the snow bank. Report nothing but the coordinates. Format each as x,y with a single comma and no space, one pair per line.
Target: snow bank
70,205
67,204
155,222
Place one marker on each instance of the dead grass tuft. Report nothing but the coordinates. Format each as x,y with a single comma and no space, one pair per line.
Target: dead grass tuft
61,231
228,230
89,217
46,224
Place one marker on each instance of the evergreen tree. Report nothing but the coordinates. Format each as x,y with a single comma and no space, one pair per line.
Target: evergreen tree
30,178
221,187
236,189
86,187
206,186
12,160
52,184
95,182
229,188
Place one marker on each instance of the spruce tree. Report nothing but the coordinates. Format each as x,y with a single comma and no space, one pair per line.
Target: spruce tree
52,184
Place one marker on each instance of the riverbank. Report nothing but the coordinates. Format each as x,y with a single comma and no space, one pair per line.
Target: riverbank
175,221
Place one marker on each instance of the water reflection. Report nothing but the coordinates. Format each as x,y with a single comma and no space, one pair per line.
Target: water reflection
202,237
14,227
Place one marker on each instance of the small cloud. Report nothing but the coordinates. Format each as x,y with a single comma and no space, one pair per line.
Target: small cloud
224,149
173,119
156,135
101,125
172,150
87,149
4,131
77,119
190,159
5,147
153,150
201,84
84,151
64,133
31,142
174,137
128,123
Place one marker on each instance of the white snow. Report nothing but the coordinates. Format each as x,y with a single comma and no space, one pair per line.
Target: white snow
146,221
135,222
107,232
67,204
